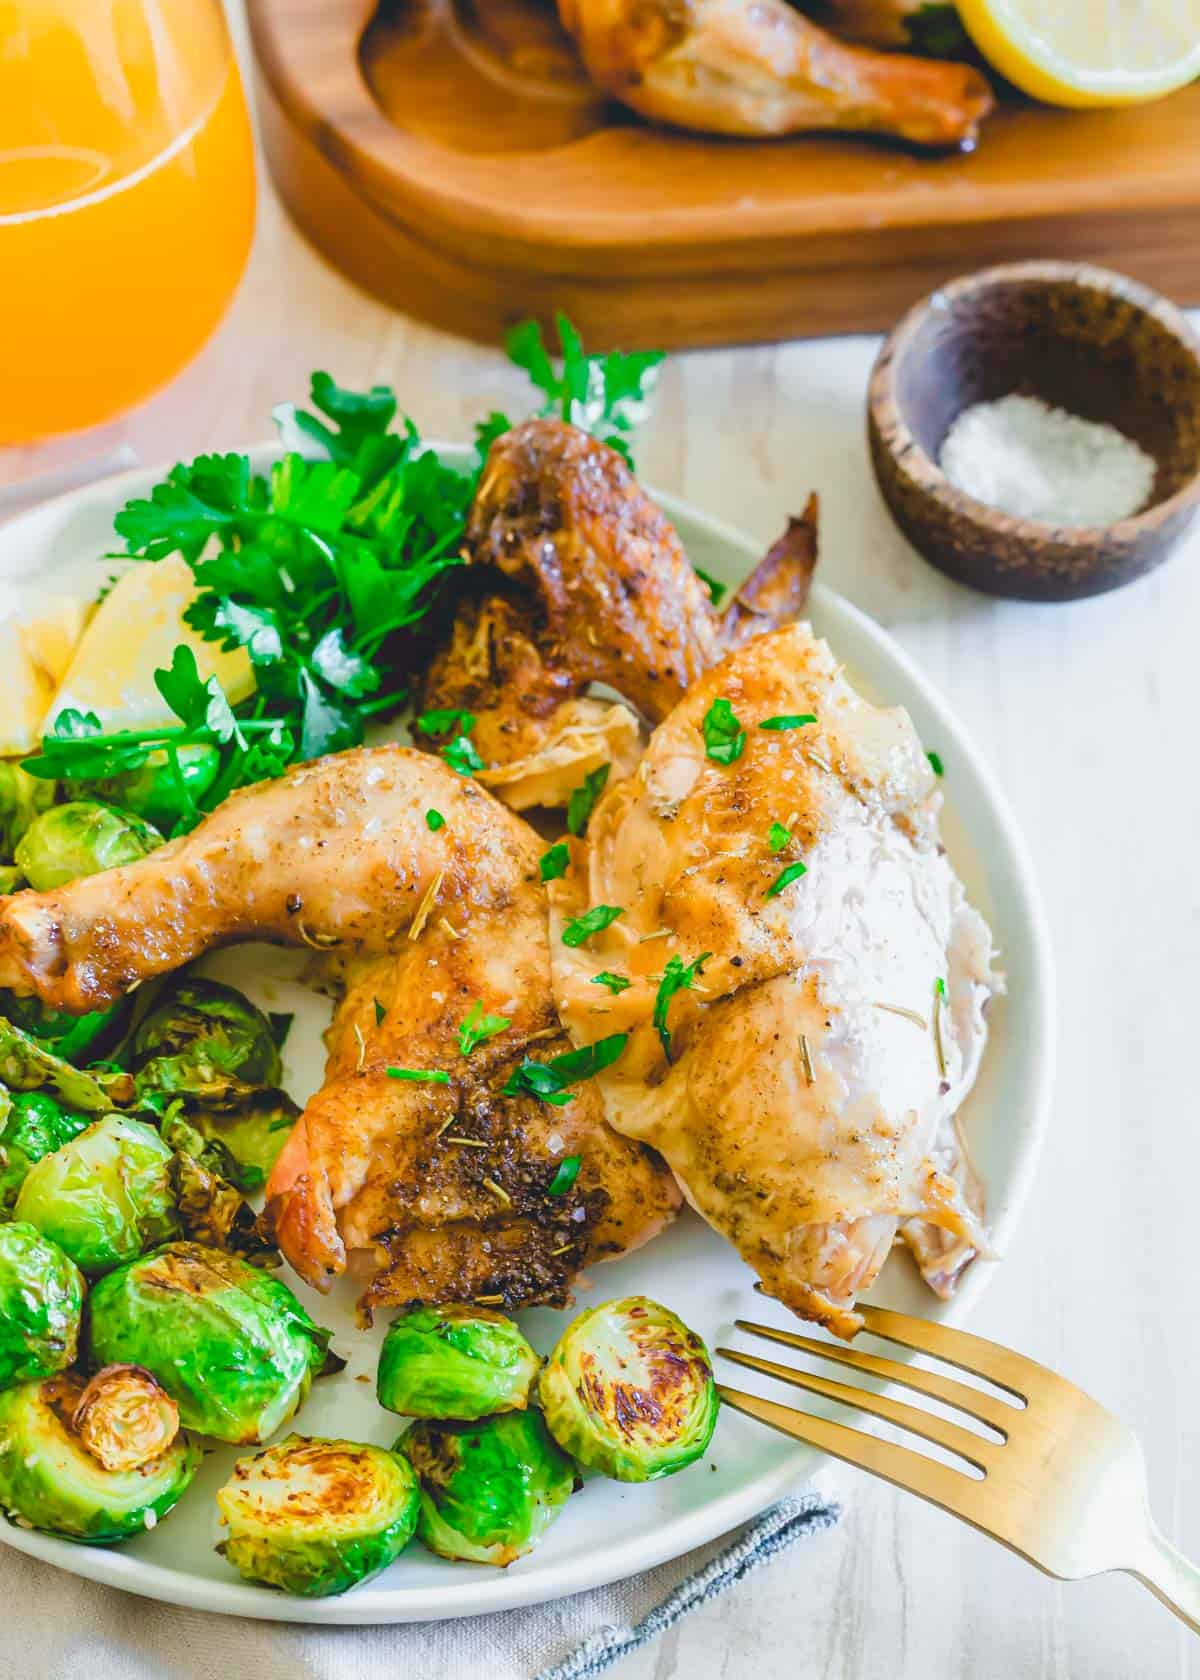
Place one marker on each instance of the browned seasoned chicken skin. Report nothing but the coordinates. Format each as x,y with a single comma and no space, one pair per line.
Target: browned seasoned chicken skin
759,67
442,1186
583,580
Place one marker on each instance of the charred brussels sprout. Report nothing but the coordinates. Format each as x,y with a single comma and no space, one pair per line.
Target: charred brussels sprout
454,1362
315,1517
161,790
22,800
207,1041
49,1480
232,1347
104,1197
125,1418
34,1125
41,1299
629,1391
489,1490
81,838
76,1038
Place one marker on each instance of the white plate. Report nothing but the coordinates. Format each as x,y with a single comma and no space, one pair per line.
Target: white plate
608,1530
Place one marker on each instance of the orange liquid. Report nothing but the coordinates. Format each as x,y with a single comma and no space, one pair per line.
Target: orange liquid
126,202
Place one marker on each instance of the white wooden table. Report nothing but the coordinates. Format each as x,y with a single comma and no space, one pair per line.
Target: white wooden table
1090,714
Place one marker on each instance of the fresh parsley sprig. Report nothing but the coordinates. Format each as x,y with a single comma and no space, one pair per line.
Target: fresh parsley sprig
678,976
549,1081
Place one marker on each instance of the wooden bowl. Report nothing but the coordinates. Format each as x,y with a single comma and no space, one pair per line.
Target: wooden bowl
1082,338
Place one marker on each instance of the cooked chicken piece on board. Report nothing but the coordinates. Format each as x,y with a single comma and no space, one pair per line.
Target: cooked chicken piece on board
804,1085
582,580
758,67
442,1185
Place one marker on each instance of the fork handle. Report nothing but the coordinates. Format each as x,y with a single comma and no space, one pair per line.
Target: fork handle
1171,1578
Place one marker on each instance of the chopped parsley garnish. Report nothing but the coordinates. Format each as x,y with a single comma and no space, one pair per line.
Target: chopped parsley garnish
584,797
785,878
444,722
548,1081
678,976
616,983
591,922
778,837
380,1012
935,763
724,737
564,1178
421,1076
716,589
939,986
477,1027
460,755
434,820
789,720
555,862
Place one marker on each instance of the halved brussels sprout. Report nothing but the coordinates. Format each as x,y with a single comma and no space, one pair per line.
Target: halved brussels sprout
211,1211
316,1517
41,1299
76,1038
125,1418
22,798
207,1041
454,1362
489,1490
104,1197
33,1124
629,1391
154,791
50,1481
82,838
232,1347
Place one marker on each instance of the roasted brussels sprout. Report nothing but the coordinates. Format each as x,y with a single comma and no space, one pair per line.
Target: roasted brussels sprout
104,1197
489,1490
155,791
26,1065
22,799
454,1362
207,1041
125,1418
41,1299
33,1124
232,1347
316,1517
49,1480
629,1390
10,878
81,838
75,1038
212,1212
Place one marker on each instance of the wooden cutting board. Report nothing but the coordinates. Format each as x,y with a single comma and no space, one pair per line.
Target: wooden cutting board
450,156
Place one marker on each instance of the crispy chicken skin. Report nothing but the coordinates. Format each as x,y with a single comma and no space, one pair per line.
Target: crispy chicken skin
807,1103
759,67
337,855
582,580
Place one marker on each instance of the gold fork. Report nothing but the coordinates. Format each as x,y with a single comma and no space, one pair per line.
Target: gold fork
1064,1485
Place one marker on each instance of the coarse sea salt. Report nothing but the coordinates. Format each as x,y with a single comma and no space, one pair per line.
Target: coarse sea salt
1027,459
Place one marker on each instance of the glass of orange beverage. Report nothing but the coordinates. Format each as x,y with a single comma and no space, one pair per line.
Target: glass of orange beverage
126,202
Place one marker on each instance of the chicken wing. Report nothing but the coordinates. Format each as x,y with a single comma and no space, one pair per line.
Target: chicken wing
442,1186
807,980
582,580
759,67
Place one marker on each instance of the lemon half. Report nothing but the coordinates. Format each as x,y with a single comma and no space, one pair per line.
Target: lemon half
1089,52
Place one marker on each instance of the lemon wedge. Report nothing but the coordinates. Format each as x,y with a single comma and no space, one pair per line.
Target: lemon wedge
1089,52
133,633
38,633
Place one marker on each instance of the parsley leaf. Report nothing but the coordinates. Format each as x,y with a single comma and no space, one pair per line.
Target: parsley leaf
717,591
444,722
785,878
460,755
584,797
555,862
380,1013
434,820
678,976
789,720
778,837
548,1081
616,983
724,737
564,1178
591,922
420,1076
605,395
935,763
477,1027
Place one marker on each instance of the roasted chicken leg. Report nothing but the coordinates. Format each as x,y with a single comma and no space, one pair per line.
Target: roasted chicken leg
806,979
442,1186
759,67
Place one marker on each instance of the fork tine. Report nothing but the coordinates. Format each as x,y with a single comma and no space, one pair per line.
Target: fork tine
952,1436
997,1413
938,1483
1021,1377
